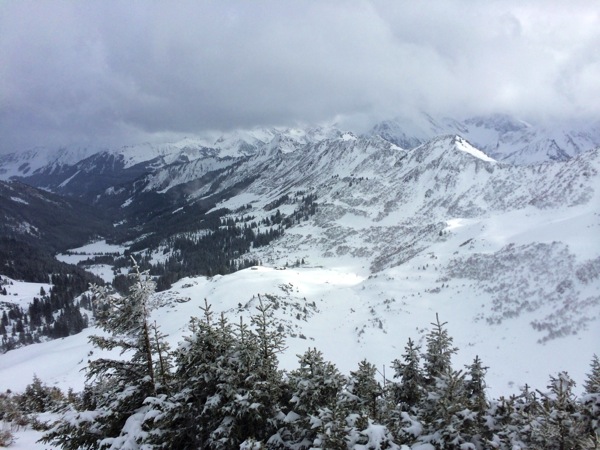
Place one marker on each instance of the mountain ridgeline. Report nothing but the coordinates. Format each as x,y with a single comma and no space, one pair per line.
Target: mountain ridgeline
480,200
177,197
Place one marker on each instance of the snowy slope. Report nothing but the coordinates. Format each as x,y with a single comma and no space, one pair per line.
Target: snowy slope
348,317
500,136
25,163
507,255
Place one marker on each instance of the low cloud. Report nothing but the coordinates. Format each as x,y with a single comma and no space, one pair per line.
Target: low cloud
111,73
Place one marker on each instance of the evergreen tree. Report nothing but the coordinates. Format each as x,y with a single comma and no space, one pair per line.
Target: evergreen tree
590,412
38,397
525,421
262,384
334,432
185,419
407,392
477,401
560,428
226,390
116,388
439,352
367,390
445,412
314,387
354,420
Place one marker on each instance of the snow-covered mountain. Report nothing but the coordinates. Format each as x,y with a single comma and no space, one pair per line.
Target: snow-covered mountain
502,137
67,170
507,254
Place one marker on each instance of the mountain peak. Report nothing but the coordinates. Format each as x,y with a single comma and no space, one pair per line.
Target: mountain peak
464,146
453,144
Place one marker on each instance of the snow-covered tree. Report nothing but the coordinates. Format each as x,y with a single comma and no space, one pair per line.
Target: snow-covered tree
408,390
39,398
226,388
525,420
314,387
445,412
590,410
366,390
251,410
439,352
186,418
116,388
477,401
560,427
445,416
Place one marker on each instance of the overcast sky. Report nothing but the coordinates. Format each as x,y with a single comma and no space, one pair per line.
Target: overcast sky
111,73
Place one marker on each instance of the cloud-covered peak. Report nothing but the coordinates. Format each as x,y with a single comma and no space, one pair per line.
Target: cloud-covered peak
105,74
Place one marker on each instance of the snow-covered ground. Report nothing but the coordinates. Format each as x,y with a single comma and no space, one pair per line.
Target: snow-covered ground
22,293
92,249
97,248
348,317
25,438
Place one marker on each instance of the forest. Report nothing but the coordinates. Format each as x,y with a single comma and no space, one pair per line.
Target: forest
216,246
58,313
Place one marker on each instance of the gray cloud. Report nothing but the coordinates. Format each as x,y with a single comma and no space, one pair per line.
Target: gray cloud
109,73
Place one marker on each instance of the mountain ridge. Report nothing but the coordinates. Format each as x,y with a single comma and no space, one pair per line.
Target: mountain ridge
500,136
497,248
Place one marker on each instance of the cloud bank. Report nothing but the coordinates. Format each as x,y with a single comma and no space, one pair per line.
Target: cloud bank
110,73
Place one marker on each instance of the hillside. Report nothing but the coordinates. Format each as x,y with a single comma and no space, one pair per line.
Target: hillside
355,243
502,252
46,220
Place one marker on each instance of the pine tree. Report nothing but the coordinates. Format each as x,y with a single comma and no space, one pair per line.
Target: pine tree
560,428
443,413
407,392
226,389
255,382
358,413
37,397
439,352
314,387
590,408
162,364
116,388
186,418
476,400
525,421
262,386
366,389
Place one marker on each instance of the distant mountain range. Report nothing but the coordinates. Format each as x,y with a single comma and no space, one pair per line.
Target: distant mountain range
492,221
502,137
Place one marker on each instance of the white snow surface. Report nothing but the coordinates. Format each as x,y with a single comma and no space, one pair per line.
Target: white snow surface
346,314
21,292
93,248
90,250
464,146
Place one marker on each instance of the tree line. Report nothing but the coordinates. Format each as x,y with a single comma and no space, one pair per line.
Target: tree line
222,389
54,314
221,249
